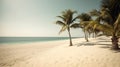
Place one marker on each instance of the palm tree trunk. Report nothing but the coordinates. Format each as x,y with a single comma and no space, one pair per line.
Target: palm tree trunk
114,42
70,37
86,37
93,35
89,34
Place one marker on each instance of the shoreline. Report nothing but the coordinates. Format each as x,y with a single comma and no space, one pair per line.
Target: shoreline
59,54
37,41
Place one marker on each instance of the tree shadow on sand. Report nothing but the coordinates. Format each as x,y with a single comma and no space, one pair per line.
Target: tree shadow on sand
108,46
85,44
104,41
116,51
103,45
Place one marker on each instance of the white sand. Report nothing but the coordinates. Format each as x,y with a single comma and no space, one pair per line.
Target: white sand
58,54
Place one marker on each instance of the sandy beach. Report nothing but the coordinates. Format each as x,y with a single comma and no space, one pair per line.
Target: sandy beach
95,53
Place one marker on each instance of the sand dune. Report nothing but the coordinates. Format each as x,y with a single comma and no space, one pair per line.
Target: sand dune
95,53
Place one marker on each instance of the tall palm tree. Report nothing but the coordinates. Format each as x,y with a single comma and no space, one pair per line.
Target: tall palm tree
110,11
109,15
66,22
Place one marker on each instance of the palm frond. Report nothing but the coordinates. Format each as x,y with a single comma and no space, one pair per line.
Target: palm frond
105,28
75,18
94,12
67,19
112,7
90,25
85,17
67,16
62,17
63,29
75,25
117,23
84,23
60,23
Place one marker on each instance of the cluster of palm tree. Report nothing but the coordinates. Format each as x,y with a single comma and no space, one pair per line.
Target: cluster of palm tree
105,21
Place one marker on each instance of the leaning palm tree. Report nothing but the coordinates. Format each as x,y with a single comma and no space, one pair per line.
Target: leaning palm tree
110,12
106,28
84,20
66,22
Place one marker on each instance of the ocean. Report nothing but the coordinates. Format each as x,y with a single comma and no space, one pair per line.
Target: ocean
30,39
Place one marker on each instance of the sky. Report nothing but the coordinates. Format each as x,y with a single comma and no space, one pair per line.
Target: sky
35,18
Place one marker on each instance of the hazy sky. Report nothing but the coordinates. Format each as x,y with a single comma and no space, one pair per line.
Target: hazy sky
37,17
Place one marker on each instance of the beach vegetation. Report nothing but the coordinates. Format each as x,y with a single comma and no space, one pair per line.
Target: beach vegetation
67,19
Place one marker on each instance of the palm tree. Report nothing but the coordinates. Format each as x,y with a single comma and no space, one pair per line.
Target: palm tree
106,28
66,22
110,12
84,21
109,15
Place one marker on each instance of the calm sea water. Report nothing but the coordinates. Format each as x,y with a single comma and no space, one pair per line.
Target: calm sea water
30,39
